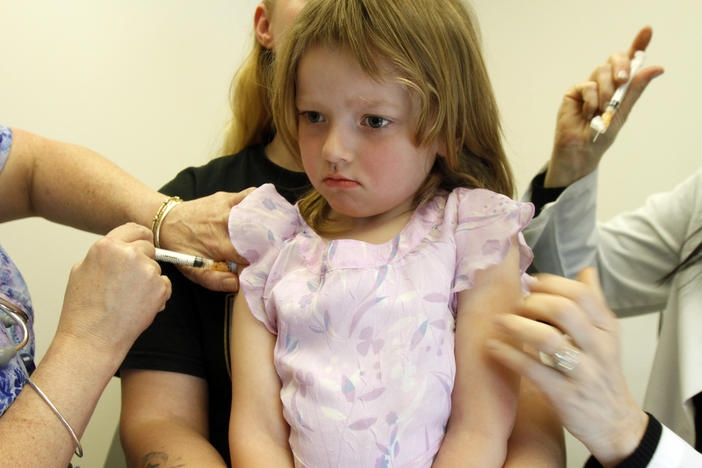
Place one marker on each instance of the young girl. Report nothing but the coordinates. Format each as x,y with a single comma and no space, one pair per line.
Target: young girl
356,299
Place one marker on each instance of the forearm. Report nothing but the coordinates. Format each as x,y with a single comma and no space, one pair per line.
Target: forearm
168,442
73,185
467,449
73,376
164,420
536,440
537,437
568,168
480,422
258,432
482,416
255,449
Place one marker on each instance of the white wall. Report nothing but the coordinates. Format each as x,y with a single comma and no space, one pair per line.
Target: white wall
145,84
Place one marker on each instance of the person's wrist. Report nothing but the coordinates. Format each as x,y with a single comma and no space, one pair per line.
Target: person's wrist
168,204
95,339
175,228
611,449
143,213
565,169
559,175
91,351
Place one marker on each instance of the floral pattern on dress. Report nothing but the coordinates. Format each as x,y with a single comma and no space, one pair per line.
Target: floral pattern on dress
5,143
13,289
365,332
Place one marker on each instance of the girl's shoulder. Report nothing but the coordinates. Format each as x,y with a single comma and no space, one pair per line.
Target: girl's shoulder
475,205
262,221
480,199
484,224
468,219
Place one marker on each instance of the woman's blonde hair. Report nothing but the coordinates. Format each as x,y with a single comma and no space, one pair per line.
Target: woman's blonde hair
434,47
249,99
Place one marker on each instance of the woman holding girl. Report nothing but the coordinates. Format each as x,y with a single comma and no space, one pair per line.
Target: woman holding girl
356,300
176,385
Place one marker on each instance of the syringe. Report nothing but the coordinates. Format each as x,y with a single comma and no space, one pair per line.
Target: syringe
600,123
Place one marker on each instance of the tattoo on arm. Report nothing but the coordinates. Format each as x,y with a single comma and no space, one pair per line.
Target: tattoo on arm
159,460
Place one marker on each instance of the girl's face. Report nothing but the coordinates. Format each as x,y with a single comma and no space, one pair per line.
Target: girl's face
356,136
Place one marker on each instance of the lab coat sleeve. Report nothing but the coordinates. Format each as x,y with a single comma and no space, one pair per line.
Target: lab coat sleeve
659,448
563,236
632,252
674,452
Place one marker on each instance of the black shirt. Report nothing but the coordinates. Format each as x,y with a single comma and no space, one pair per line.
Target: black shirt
191,335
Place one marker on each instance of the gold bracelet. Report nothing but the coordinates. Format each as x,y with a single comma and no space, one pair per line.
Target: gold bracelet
79,448
160,215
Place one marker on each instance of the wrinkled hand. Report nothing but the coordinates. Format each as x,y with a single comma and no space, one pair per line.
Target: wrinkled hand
574,154
592,400
200,227
115,292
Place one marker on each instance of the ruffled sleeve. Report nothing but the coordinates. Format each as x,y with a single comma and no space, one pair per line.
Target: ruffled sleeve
258,228
485,223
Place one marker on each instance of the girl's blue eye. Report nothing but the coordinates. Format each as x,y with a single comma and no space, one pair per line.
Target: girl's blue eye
373,121
313,116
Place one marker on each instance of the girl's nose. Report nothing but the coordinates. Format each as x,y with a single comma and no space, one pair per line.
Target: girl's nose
338,146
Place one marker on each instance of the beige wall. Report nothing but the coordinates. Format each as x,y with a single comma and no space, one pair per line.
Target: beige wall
145,84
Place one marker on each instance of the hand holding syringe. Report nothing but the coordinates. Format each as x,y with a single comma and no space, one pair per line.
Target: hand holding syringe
601,122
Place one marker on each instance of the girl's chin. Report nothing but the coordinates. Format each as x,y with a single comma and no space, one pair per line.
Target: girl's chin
342,211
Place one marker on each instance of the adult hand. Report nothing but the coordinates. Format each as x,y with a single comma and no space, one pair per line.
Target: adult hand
200,227
592,399
574,154
114,293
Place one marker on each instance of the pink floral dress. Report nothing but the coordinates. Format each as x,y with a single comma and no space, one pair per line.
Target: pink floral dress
365,332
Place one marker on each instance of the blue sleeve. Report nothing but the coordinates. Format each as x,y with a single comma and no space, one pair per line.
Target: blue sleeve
5,143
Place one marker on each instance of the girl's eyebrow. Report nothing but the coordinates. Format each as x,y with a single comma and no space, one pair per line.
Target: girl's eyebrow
374,101
351,102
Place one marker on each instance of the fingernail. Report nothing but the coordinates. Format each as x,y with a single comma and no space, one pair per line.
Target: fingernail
622,75
231,284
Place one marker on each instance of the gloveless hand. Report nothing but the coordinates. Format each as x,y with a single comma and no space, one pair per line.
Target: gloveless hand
592,399
575,155
200,227
114,293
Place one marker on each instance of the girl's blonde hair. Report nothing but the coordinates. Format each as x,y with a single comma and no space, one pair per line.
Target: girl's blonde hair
249,99
434,46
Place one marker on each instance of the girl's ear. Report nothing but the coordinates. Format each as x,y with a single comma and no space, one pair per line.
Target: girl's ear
262,26
441,149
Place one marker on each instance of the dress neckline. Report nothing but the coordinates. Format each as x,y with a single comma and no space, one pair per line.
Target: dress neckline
352,253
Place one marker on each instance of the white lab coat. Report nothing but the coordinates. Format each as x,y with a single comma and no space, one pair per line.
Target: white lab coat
632,252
